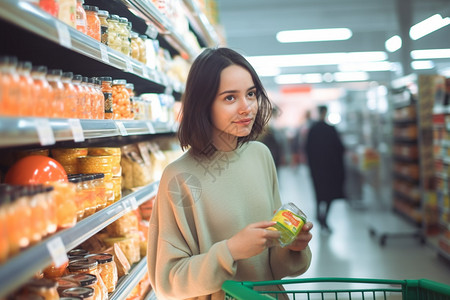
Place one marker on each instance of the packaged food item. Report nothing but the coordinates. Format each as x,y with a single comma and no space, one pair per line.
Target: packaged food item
90,266
43,92
64,284
121,100
142,49
114,39
290,220
107,96
136,167
93,22
134,46
26,88
130,89
66,209
128,246
103,15
9,86
124,35
80,292
54,272
56,108
87,113
70,95
107,268
86,280
67,12
68,158
80,17
123,266
122,226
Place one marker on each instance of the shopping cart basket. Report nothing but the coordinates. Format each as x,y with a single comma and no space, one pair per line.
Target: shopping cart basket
339,288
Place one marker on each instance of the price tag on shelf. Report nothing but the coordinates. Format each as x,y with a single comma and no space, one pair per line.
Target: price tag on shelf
104,53
77,130
45,132
121,127
63,34
150,127
152,31
145,72
133,203
57,251
129,65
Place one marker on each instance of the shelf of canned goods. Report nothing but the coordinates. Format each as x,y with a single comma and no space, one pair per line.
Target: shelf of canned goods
20,268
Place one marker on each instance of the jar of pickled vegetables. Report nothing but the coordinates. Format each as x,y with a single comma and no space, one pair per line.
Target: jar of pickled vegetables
56,108
44,92
142,49
101,99
121,100
114,39
80,17
107,96
130,89
103,15
134,44
93,22
64,194
124,34
107,268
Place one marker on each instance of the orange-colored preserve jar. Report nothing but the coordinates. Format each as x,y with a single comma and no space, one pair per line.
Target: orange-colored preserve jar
43,97
93,22
107,96
107,268
121,100
64,195
90,266
26,89
70,95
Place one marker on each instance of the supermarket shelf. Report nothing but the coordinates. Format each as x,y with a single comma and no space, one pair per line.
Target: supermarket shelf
43,131
433,242
23,266
147,11
127,282
37,21
200,22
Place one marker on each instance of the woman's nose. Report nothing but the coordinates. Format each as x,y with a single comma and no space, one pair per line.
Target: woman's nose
245,106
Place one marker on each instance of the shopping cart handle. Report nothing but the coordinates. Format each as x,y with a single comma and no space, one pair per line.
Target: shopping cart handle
236,290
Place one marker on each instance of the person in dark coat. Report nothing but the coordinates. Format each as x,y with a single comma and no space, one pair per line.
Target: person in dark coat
325,156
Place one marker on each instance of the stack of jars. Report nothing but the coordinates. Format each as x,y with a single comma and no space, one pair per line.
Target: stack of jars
67,157
114,153
31,212
90,193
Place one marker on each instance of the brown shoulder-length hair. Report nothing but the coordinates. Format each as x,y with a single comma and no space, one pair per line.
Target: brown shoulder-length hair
201,89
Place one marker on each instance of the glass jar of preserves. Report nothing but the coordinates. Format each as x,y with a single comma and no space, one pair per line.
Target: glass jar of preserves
64,284
56,108
100,190
88,195
81,96
95,164
67,12
116,154
124,36
117,183
107,96
42,287
121,100
107,268
130,89
289,222
44,92
86,280
101,99
26,88
86,293
90,266
79,201
70,95
80,17
103,15
94,99
93,22
88,98
54,272
134,44
114,39
50,6
68,158
142,49
9,86
64,194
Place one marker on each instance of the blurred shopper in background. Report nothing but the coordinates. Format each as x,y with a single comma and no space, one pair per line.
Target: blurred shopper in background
269,138
325,156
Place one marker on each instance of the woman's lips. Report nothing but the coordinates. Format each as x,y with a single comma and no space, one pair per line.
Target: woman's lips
244,122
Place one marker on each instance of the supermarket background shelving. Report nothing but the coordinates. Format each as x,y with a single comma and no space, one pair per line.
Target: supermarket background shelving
34,35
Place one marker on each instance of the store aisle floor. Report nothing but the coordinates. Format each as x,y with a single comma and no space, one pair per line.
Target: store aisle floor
350,251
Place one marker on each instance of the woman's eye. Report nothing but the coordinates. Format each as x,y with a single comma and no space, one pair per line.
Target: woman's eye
229,98
252,94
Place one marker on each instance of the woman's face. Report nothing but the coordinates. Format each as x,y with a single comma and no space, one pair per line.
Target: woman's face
234,108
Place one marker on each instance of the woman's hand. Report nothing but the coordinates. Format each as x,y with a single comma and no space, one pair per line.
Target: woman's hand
252,240
303,238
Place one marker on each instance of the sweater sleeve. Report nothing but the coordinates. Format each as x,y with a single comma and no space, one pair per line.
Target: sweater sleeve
177,269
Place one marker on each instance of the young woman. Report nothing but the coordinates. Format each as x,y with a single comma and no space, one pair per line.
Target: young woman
214,204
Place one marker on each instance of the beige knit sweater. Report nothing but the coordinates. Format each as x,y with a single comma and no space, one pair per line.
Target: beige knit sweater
200,204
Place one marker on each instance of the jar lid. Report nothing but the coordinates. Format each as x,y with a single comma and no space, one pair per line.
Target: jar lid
25,65
119,81
114,18
82,292
102,258
91,8
77,251
65,283
81,279
42,283
106,78
129,86
74,178
143,36
82,265
56,72
123,20
98,175
89,159
103,13
77,77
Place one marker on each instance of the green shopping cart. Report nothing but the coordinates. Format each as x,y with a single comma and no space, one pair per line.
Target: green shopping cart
337,289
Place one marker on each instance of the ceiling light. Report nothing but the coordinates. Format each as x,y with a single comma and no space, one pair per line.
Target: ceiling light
351,76
366,66
317,59
268,71
422,64
393,44
289,79
312,78
430,54
427,26
314,35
